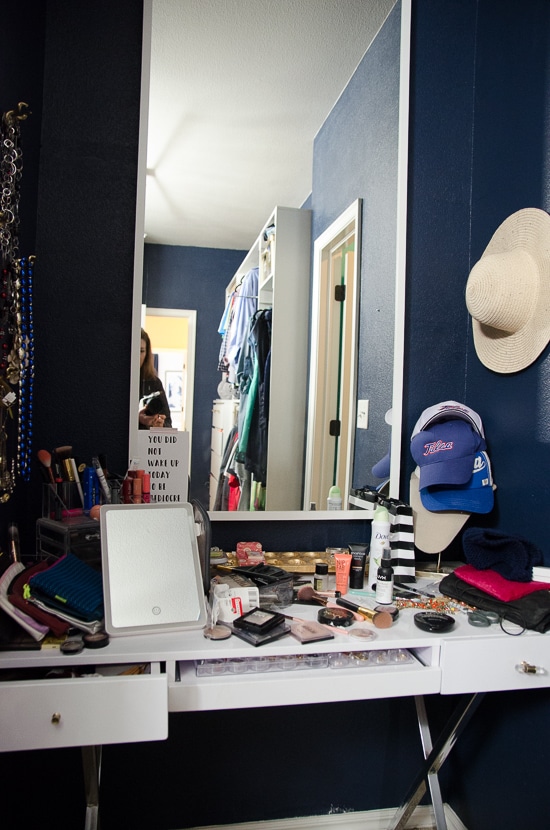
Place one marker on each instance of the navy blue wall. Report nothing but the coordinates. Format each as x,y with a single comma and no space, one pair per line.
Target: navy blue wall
355,157
194,278
479,151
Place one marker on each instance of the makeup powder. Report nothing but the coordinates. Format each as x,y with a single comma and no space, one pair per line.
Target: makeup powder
335,616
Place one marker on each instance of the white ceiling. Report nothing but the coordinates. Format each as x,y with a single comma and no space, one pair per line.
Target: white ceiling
239,89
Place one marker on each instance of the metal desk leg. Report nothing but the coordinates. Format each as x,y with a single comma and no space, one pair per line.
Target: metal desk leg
433,780
436,759
91,763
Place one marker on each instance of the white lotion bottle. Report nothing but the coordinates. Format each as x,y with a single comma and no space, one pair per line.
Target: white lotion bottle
379,539
334,501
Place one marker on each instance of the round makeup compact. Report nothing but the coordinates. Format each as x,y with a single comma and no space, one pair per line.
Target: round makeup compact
99,639
335,616
392,610
217,632
362,633
434,621
72,646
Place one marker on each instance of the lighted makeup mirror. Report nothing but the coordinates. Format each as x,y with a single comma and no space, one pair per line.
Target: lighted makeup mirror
151,569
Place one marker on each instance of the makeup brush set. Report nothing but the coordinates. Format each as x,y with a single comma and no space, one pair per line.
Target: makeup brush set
73,489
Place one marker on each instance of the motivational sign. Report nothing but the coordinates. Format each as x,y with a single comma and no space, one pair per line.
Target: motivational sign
164,455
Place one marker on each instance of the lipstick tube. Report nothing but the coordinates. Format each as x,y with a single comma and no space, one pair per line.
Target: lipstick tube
137,491
146,488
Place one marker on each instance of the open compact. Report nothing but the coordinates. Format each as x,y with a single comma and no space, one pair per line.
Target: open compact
335,616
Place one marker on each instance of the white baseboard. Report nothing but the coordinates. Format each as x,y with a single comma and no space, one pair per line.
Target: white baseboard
421,819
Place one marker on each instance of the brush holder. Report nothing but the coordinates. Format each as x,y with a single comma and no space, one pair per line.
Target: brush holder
61,501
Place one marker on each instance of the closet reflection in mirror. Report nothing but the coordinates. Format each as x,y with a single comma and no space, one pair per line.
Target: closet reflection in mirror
355,154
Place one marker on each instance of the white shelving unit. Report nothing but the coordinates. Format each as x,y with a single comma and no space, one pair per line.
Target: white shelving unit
224,418
282,253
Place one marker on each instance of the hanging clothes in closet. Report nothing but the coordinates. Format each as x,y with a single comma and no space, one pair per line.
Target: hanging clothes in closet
253,384
240,307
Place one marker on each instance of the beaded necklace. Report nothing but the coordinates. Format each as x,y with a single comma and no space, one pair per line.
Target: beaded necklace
16,317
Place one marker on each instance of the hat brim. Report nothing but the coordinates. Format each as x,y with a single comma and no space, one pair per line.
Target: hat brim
382,468
433,532
479,500
447,411
447,471
503,352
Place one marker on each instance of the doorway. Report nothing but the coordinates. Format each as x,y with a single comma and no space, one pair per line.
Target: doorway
332,388
173,333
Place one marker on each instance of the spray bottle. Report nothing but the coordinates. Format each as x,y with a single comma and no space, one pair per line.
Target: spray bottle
384,579
379,539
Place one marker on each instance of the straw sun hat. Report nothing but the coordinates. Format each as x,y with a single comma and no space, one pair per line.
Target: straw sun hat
508,293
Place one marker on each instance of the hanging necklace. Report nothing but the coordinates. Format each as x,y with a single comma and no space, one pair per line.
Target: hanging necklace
26,373
16,316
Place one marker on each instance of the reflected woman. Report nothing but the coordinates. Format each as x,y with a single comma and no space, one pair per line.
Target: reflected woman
156,412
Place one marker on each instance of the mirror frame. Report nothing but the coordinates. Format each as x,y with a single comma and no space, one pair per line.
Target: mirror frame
400,277
323,344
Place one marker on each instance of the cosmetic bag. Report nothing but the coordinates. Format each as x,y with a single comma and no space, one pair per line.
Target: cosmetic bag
531,611
71,585
18,596
31,626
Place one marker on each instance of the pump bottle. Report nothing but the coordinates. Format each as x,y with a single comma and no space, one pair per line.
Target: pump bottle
384,579
380,535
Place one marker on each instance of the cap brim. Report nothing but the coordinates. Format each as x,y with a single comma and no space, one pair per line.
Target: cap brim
479,500
433,532
382,468
448,411
447,471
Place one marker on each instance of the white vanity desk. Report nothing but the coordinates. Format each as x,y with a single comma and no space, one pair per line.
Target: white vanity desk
101,709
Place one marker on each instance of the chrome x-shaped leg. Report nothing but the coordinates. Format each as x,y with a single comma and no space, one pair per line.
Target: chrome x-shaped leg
434,756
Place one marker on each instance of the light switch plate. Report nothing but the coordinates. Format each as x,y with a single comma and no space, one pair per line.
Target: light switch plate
362,414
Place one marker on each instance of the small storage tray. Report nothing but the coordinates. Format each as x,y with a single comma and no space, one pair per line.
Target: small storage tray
297,662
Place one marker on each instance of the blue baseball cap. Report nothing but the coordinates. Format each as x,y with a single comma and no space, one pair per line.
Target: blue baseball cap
476,496
382,468
445,452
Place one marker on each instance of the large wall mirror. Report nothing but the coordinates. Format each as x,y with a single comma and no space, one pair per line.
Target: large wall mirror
354,153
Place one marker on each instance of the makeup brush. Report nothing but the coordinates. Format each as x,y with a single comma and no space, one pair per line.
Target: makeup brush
45,459
380,619
306,593
63,455
311,595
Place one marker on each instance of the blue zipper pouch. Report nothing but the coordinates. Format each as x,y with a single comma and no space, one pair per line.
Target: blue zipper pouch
70,585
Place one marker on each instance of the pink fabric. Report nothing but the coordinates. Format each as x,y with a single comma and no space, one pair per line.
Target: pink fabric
496,585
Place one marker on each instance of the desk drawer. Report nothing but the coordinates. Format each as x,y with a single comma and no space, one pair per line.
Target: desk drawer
81,711
490,665
191,693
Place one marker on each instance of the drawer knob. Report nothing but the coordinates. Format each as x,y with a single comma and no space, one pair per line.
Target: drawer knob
527,668
56,718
